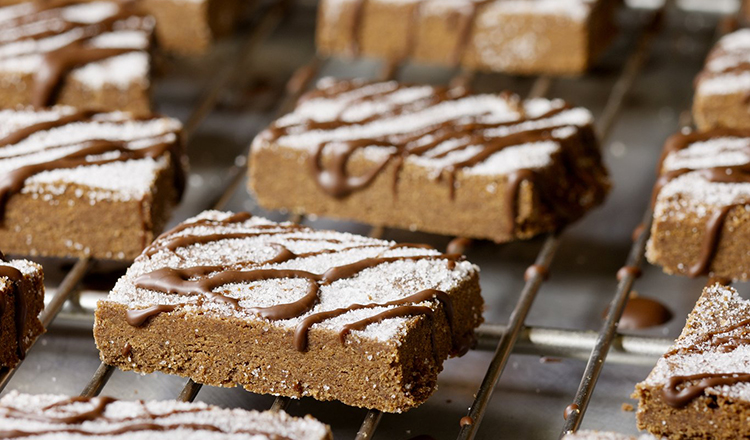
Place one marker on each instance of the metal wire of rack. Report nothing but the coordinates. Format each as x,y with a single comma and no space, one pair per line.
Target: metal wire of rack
504,339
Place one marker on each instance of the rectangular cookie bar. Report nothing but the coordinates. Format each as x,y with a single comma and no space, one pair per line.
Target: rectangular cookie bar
48,417
21,301
701,219
513,36
93,55
78,183
700,388
228,299
723,87
186,27
189,27
431,159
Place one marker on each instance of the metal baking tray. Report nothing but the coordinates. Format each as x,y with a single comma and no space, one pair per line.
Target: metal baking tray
639,92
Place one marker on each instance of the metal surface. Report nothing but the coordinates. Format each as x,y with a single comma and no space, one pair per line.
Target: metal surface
555,321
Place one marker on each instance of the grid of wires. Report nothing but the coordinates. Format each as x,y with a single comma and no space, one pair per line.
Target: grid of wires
503,339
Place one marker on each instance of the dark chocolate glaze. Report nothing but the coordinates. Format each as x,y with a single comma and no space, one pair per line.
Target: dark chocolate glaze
681,390
333,177
20,290
723,174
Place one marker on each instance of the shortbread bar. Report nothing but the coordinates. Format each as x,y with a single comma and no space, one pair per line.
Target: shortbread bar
722,88
228,299
49,417
93,55
21,301
701,221
431,159
700,387
76,184
514,36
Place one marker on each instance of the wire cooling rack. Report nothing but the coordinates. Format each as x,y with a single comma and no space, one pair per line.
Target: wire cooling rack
636,95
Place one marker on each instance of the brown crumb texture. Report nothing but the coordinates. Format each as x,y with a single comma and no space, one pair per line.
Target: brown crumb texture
531,37
432,191
722,87
107,211
713,342
191,27
391,365
30,290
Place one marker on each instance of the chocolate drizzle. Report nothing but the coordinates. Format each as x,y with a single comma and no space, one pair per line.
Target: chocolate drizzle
329,160
465,25
13,181
202,282
57,63
679,392
91,152
20,291
722,174
146,422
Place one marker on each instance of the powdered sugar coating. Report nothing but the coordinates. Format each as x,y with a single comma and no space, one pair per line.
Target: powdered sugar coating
23,45
692,192
380,284
695,351
26,267
120,181
380,108
601,435
182,418
726,69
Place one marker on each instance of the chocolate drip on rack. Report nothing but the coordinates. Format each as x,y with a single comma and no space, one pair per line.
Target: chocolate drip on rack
20,310
721,174
679,398
100,404
202,281
329,166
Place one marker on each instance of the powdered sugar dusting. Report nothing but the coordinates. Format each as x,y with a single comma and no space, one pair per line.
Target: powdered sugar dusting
380,284
24,45
600,435
725,71
122,181
695,352
693,192
406,117
233,424
26,267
